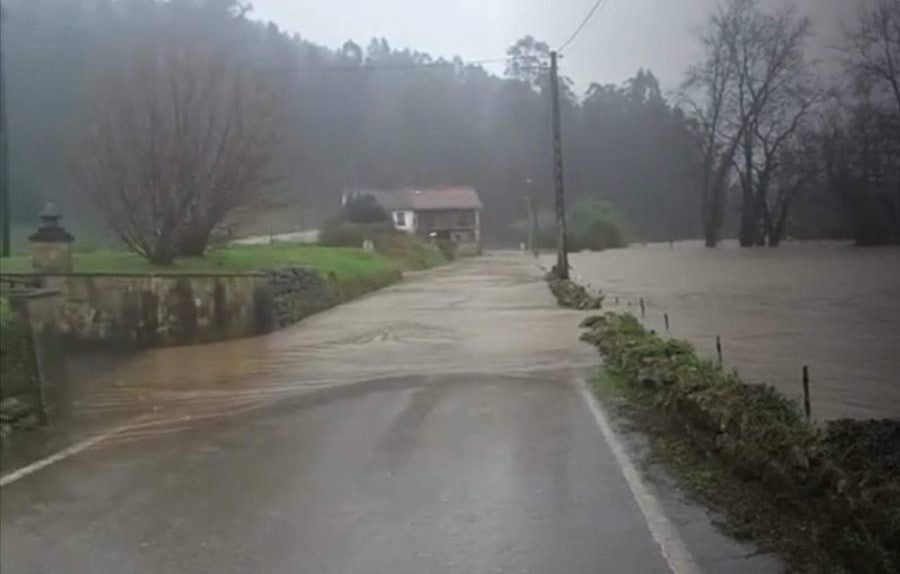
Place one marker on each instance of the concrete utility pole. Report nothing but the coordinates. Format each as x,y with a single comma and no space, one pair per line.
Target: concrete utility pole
5,239
562,256
531,208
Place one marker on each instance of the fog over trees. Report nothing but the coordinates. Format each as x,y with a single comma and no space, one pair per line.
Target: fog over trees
236,116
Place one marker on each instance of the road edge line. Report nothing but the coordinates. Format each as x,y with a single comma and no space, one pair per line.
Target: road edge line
54,458
665,534
65,453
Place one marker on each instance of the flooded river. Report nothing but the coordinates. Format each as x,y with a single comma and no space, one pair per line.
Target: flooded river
833,307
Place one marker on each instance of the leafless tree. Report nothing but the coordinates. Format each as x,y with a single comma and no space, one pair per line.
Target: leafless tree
863,143
749,97
707,91
774,154
872,50
773,96
179,137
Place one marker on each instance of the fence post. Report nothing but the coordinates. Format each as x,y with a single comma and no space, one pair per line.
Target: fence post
806,406
719,349
666,315
643,311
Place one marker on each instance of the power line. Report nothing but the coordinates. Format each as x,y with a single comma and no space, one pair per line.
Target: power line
581,26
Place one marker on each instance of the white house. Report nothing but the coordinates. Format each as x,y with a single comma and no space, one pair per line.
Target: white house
452,213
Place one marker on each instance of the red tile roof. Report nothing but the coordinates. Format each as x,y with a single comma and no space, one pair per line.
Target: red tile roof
426,198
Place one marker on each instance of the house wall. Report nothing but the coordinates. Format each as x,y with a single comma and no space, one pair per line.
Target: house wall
409,218
462,225
444,219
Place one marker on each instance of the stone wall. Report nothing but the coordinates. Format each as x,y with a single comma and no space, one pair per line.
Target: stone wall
156,310
136,311
32,369
296,293
299,292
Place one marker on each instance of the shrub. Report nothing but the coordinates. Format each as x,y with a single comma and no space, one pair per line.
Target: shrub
592,224
844,482
596,225
407,251
363,209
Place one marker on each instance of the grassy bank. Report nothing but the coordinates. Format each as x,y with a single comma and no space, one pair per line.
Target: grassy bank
827,499
342,262
407,252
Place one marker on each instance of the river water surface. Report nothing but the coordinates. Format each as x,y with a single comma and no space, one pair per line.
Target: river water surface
831,306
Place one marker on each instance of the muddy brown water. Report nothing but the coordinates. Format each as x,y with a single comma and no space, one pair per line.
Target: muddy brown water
831,306
436,426
491,314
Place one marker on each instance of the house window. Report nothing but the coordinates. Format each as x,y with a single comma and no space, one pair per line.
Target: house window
400,218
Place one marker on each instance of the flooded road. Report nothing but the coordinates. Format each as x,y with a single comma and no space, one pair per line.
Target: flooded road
436,426
833,307
472,318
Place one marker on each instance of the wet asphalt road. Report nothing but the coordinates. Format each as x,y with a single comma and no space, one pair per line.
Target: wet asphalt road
434,427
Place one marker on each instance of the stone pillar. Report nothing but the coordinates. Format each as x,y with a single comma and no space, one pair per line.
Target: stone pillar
51,244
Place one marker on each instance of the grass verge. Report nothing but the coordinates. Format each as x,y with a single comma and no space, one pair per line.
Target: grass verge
408,252
827,500
344,263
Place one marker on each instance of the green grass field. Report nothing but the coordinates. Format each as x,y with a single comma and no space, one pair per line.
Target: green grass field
344,262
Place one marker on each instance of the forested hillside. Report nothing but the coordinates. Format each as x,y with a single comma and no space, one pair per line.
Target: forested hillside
821,163
362,115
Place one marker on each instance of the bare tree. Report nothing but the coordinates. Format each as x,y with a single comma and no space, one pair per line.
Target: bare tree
775,154
179,137
872,50
862,148
749,97
773,97
795,170
707,90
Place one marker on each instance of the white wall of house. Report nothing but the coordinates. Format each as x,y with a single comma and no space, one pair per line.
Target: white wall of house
404,220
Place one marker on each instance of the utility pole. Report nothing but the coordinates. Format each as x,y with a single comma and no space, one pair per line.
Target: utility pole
4,158
532,225
562,256
531,208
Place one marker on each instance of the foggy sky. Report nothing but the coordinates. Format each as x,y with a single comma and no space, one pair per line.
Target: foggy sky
623,36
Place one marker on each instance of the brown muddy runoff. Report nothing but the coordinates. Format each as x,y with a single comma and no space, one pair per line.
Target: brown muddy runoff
488,315
831,306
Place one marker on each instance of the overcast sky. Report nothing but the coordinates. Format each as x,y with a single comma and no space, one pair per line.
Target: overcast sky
623,35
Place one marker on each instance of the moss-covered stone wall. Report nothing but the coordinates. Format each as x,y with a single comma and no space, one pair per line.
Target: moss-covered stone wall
138,311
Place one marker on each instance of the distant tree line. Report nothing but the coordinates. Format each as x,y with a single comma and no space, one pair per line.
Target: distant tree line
357,116
173,115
